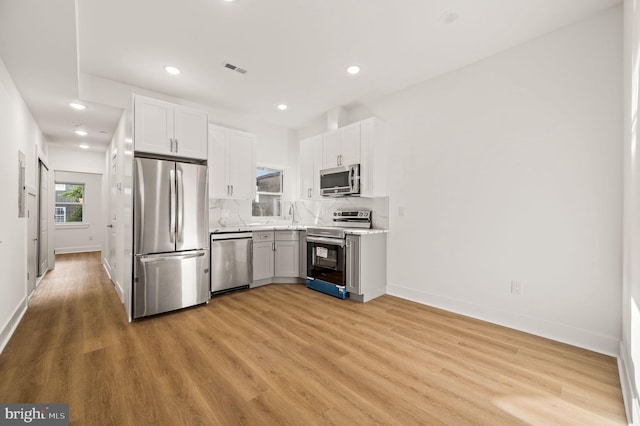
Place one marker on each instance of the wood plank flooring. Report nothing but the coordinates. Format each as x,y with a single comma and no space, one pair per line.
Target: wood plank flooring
284,354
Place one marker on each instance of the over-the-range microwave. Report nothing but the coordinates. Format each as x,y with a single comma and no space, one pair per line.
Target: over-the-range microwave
340,181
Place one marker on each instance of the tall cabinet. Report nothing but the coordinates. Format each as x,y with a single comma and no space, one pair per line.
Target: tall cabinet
310,165
232,163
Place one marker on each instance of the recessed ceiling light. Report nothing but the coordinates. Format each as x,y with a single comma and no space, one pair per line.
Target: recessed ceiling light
282,107
229,1
84,146
353,69
81,132
78,106
449,17
172,70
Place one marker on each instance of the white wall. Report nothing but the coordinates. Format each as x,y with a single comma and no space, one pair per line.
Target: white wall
88,236
68,159
629,361
18,132
510,170
89,168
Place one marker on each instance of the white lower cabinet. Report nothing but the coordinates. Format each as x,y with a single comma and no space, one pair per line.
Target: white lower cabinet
287,261
276,254
366,266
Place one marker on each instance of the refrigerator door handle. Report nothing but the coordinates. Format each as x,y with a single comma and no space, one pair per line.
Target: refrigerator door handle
180,205
172,206
166,257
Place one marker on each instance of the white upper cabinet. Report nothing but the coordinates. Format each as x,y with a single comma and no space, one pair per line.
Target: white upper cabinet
341,147
190,132
232,163
164,128
310,165
349,137
365,142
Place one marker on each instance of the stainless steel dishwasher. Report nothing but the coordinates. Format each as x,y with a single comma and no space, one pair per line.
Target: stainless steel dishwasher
231,261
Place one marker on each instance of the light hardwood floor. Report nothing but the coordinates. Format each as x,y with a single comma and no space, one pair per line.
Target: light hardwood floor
284,354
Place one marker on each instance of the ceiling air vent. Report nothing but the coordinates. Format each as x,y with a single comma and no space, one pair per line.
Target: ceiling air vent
235,68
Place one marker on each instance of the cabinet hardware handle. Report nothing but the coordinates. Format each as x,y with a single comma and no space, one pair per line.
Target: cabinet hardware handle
176,144
232,190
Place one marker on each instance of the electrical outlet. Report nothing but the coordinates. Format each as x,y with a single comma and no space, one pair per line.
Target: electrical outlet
516,288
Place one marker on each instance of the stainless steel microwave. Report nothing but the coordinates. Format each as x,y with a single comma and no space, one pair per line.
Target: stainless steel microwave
340,181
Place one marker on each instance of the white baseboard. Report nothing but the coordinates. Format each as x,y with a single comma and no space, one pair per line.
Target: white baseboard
115,283
67,250
12,324
629,393
574,336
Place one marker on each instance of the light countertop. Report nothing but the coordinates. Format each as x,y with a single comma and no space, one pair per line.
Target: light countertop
296,227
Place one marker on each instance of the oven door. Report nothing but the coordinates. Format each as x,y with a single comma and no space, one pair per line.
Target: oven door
325,260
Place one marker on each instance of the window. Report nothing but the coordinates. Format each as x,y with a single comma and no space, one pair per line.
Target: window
60,215
69,202
268,192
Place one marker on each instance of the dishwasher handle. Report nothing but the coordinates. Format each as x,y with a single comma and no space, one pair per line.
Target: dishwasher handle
232,236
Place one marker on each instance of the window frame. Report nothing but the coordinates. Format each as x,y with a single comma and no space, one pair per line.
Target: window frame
282,171
82,203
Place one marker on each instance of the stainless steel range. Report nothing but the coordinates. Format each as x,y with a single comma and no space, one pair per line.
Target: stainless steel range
327,250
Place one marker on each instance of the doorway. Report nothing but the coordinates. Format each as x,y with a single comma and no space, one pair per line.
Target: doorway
32,242
43,222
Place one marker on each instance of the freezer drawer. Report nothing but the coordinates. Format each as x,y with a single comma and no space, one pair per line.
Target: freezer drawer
169,281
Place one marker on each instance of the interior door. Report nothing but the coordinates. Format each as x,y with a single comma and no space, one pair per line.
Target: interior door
113,203
32,242
192,207
153,206
43,219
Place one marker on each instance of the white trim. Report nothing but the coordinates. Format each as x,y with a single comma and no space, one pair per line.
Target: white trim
10,327
84,249
629,396
72,225
571,335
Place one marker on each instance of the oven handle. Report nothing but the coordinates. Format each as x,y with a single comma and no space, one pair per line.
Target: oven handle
329,241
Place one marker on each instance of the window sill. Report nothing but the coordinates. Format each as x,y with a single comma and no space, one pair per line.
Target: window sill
72,225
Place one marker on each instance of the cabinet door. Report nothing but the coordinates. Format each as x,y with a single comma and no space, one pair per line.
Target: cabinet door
349,144
262,260
218,174
153,125
310,155
330,151
190,133
287,259
242,165
352,267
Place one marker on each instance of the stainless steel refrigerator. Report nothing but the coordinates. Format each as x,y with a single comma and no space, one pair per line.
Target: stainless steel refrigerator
170,236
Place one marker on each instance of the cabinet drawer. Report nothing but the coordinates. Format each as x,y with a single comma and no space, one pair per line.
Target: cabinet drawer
286,235
263,236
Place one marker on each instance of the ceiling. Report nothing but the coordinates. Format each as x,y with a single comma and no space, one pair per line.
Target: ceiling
295,52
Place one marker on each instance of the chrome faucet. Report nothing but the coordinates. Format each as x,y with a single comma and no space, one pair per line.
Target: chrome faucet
292,213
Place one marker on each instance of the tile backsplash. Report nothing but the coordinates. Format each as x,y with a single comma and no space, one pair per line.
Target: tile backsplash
232,213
